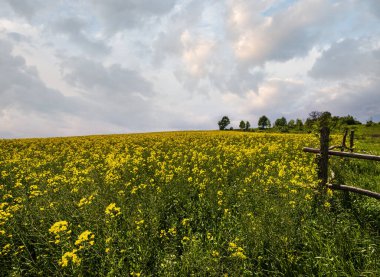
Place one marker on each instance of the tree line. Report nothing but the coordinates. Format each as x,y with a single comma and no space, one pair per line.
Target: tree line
316,119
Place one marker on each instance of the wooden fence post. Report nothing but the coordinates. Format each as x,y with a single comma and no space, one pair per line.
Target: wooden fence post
324,158
344,140
352,141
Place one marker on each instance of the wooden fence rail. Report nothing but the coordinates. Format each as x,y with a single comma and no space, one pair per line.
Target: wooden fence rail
324,153
343,154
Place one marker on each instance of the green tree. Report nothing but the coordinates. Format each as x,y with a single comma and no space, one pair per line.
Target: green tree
280,122
318,119
223,123
242,125
299,124
349,120
247,125
291,124
264,122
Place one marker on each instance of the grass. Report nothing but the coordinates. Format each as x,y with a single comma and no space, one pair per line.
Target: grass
183,203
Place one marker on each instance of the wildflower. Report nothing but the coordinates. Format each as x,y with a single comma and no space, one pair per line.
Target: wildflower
185,222
139,223
162,233
58,227
70,256
84,237
172,231
232,245
215,253
112,210
237,251
86,201
308,197
239,254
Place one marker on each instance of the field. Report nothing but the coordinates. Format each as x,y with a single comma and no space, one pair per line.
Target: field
181,204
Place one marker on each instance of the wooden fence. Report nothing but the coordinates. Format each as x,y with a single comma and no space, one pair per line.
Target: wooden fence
325,151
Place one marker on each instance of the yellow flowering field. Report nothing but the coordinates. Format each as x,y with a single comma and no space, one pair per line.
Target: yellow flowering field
165,204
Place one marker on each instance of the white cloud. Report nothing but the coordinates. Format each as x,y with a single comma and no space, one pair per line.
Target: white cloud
94,66
348,59
74,29
21,86
282,36
118,15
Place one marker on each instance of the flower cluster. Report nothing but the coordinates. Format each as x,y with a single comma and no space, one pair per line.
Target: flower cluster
236,251
112,210
70,256
60,229
85,238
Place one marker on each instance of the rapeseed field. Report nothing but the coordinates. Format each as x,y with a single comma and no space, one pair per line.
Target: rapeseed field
174,204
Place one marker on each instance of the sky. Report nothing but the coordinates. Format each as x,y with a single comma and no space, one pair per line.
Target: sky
86,67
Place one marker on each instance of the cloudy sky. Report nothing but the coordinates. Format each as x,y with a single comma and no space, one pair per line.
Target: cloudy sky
120,66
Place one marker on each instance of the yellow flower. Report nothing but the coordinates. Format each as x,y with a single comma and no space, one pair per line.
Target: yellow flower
308,197
70,256
172,231
239,254
232,245
162,233
59,226
112,210
84,237
215,253
185,222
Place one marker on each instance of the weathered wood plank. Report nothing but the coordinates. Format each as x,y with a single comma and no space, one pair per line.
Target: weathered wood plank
343,154
356,190
324,157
